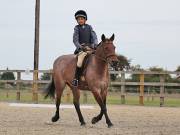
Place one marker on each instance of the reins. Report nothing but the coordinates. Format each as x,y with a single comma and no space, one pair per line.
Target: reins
103,59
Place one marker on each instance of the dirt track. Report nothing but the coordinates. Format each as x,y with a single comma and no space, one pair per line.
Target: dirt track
127,120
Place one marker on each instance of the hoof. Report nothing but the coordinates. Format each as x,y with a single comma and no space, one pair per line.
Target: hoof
48,122
55,118
110,125
94,120
83,123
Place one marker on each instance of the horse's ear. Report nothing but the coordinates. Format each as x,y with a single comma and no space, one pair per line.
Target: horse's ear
103,38
112,38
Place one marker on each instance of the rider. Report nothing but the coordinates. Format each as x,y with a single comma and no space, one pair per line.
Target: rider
84,38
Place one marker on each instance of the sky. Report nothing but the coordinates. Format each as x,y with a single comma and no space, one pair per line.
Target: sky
146,31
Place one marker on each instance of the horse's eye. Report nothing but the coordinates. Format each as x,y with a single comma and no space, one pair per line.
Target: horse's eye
106,48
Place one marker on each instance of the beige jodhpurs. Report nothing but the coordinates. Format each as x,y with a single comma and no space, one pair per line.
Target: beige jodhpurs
81,56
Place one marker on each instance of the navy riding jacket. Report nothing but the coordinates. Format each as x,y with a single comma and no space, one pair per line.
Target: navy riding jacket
84,34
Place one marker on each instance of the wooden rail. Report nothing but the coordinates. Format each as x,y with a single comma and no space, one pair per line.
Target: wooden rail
19,81
141,84
121,83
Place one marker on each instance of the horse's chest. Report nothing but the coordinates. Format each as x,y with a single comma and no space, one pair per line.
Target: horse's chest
103,85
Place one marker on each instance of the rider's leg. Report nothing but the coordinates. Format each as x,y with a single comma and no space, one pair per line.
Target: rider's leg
81,57
76,78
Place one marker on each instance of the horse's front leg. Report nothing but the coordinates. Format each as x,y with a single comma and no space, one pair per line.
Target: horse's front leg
101,100
104,95
99,117
76,97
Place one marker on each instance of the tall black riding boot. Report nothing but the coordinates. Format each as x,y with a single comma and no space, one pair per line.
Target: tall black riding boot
77,76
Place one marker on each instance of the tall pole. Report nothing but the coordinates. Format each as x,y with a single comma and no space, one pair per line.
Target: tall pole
36,52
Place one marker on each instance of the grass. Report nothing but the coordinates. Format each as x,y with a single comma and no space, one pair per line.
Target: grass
113,98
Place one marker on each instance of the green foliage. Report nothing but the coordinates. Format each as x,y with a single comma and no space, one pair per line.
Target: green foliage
113,77
8,76
45,76
136,68
156,77
123,64
135,77
151,77
178,75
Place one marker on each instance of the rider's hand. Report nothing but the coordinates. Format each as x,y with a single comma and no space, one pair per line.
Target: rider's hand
87,48
94,46
83,44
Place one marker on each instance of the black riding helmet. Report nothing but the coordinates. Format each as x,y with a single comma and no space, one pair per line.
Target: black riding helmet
80,13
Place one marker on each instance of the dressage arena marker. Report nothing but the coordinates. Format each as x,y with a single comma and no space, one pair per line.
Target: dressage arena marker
49,106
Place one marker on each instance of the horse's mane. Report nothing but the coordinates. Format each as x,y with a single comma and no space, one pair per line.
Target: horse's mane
99,45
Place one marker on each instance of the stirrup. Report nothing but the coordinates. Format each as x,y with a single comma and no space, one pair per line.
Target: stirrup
75,82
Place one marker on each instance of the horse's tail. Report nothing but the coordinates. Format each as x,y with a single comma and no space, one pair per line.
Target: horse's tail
50,90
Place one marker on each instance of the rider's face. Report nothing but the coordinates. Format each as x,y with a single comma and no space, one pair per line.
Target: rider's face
81,20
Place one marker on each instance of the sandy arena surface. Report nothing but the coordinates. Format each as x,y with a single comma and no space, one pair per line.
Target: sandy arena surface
127,120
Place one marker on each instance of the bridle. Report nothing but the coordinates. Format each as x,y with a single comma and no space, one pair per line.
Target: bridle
106,56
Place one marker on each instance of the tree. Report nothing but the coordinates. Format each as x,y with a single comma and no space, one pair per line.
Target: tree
8,76
156,78
45,76
136,68
135,77
123,64
178,70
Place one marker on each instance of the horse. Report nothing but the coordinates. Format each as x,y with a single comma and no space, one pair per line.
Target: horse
96,79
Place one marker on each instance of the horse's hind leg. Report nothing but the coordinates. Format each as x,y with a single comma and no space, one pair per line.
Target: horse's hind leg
102,105
76,97
56,116
59,90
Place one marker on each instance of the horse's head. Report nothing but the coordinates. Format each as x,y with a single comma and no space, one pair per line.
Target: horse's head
108,50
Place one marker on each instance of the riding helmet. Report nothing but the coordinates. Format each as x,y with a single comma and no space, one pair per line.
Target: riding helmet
80,13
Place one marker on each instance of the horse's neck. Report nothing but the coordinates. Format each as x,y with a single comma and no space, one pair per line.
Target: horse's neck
99,65
100,62
100,52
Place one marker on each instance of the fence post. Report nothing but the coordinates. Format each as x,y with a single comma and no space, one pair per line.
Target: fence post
18,94
162,90
35,86
141,94
123,100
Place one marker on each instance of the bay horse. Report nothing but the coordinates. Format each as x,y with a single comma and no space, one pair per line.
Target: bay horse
96,79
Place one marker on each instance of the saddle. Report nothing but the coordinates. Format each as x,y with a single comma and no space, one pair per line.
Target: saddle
84,67
85,62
